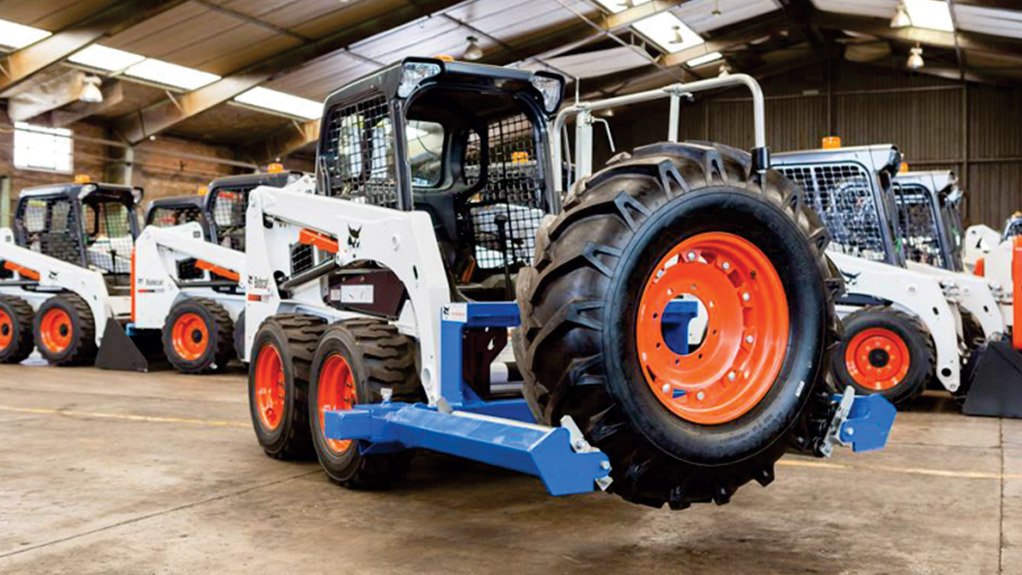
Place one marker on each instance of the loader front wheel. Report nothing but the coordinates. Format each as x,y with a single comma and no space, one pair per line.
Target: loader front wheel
355,362
670,221
15,329
278,383
198,336
885,351
65,331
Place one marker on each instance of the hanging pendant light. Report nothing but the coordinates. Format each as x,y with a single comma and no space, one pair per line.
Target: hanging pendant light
915,58
474,51
901,18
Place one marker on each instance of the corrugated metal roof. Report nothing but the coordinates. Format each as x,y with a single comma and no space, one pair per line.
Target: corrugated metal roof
699,16
989,20
876,8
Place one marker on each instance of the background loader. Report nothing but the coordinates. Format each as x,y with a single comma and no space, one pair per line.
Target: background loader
378,313
189,277
65,284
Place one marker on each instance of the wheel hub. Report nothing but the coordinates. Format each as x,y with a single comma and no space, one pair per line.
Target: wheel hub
877,358
55,330
189,336
746,337
6,331
269,387
336,391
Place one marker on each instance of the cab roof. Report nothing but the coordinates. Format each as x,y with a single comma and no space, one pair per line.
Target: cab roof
277,179
78,191
387,80
878,157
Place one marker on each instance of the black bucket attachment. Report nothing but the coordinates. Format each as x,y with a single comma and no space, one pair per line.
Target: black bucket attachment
993,380
140,351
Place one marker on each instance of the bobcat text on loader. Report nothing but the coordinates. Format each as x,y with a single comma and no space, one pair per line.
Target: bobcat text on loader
189,277
65,279
380,297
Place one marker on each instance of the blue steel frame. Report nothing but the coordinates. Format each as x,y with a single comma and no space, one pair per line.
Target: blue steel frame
503,432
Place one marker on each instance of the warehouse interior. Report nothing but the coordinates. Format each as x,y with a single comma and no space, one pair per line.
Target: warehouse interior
137,468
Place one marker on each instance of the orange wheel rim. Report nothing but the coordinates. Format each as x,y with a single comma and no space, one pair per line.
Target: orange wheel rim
877,358
270,391
336,392
746,338
190,336
6,330
56,330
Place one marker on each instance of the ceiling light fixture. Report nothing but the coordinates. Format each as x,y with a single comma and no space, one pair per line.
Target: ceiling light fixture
901,18
474,51
915,58
90,90
725,70
716,9
704,59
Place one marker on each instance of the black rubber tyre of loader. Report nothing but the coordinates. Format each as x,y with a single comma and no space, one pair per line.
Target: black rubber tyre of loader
355,361
281,357
65,331
891,326
207,346
577,345
239,337
15,330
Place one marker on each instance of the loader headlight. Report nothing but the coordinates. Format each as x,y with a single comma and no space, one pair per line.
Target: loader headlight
552,89
413,73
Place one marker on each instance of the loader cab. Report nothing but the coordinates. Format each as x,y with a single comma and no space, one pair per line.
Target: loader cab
929,223
850,189
226,202
92,225
175,211
1013,227
465,143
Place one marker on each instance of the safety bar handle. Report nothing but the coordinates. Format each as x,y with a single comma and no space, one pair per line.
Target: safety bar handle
761,157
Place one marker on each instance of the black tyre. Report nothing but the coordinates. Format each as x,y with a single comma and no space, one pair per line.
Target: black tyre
356,360
239,337
15,329
278,384
885,351
65,331
587,298
972,331
198,336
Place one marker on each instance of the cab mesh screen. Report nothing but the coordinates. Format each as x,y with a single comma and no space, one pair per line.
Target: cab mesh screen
50,226
511,204
917,225
165,217
842,196
357,157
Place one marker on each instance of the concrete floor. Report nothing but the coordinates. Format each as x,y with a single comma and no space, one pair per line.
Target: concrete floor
104,472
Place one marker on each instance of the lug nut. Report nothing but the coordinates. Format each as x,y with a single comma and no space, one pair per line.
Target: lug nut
745,296
731,376
691,256
726,265
748,339
666,388
700,395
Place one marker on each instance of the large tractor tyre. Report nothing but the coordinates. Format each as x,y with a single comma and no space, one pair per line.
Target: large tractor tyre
15,330
885,351
355,362
669,220
278,384
198,336
65,331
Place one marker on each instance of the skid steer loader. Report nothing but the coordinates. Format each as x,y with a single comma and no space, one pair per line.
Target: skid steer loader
378,298
189,278
903,321
65,284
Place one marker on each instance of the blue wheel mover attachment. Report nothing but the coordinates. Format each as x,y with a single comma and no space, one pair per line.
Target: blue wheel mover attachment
564,462
861,421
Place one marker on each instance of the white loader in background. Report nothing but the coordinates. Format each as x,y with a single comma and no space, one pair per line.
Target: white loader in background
189,279
65,273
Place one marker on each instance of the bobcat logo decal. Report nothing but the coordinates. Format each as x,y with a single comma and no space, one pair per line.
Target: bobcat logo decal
354,241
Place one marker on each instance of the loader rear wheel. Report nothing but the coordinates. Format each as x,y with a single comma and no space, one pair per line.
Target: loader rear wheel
357,360
198,336
673,220
15,329
65,331
278,383
885,351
